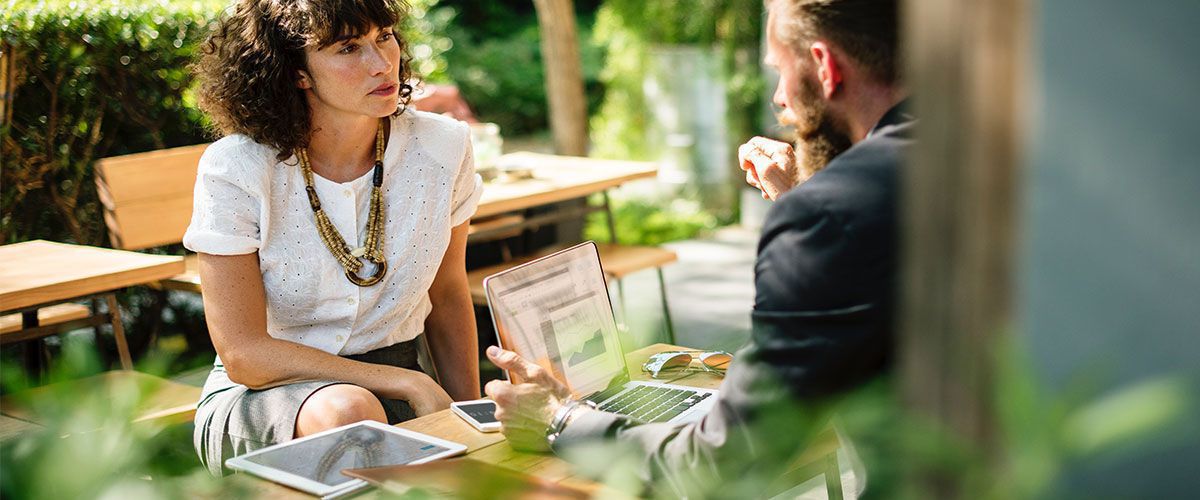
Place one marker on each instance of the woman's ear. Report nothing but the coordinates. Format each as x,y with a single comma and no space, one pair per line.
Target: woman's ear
303,81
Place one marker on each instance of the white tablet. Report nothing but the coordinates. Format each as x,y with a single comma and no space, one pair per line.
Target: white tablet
314,463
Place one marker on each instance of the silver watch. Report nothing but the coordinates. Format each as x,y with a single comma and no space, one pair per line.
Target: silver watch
562,416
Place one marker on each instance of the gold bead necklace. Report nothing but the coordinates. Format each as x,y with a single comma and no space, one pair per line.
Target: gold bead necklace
372,250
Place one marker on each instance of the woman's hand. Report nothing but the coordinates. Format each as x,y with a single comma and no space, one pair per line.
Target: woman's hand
426,396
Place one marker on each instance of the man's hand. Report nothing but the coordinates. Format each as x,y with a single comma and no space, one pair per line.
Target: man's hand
526,409
770,166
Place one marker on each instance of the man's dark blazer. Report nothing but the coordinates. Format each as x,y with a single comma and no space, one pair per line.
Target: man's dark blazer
822,325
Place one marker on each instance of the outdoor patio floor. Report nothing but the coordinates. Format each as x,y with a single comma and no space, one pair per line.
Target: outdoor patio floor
710,291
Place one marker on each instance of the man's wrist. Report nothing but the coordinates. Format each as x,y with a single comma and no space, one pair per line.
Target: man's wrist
563,416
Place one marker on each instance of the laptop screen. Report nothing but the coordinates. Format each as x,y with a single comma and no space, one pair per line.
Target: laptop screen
555,311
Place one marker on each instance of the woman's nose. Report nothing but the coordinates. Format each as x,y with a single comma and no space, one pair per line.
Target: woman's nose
377,61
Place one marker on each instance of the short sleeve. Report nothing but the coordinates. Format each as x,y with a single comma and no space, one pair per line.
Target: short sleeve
468,186
228,203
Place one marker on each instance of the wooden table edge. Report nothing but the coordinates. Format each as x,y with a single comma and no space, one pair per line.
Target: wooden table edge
490,208
34,297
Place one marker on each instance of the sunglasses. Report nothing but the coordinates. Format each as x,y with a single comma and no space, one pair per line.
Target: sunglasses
672,363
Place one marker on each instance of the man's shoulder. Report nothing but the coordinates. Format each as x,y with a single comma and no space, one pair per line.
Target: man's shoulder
859,184
871,164
884,150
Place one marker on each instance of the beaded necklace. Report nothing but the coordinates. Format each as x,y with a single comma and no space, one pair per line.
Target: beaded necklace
372,250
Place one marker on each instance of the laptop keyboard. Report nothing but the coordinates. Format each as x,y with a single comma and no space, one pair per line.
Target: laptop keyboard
653,404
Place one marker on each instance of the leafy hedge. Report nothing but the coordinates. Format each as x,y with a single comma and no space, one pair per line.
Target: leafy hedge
87,81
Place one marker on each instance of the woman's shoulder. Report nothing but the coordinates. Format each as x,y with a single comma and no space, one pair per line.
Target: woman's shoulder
238,155
436,128
238,149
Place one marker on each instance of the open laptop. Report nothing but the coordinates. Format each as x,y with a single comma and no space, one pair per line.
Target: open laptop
556,312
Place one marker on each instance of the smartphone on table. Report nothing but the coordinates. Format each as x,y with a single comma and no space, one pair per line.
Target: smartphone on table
480,413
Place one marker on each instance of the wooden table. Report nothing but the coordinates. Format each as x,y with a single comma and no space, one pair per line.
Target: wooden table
557,178
492,447
38,273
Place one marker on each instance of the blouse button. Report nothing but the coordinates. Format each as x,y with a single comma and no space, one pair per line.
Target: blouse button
350,301
340,338
347,193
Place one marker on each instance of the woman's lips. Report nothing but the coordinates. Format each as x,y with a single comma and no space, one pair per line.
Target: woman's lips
384,90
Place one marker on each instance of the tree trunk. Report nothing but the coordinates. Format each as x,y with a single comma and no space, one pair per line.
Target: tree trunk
967,65
564,76
7,82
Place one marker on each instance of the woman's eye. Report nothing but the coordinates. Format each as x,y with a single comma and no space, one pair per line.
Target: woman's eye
386,36
348,48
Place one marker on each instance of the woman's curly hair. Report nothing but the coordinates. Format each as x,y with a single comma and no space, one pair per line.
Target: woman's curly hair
249,65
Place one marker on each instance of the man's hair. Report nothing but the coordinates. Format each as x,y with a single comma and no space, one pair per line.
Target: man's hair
865,29
248,67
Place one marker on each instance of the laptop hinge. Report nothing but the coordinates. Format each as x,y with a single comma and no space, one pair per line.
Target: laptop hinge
614,386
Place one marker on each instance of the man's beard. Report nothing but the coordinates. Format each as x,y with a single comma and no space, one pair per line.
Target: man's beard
820,136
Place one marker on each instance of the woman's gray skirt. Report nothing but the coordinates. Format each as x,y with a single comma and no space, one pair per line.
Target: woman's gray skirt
233,419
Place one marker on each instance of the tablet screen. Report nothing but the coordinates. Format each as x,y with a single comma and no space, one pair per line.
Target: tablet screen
322,458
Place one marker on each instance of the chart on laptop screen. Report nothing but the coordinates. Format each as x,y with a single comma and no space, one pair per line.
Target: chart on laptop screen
556,311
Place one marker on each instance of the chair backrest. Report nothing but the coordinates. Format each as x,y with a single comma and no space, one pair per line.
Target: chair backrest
147,197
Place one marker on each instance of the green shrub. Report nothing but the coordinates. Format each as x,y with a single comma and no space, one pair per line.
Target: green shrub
642,221
503,79
87,81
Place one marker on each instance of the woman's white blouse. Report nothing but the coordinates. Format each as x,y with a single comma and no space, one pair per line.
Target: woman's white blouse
246,201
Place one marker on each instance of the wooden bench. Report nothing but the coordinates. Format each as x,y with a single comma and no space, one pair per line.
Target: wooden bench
55,315
147,199
158,400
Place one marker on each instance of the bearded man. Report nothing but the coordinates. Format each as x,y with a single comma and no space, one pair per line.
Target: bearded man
824,276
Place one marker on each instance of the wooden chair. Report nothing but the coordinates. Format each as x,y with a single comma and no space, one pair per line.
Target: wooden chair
147,199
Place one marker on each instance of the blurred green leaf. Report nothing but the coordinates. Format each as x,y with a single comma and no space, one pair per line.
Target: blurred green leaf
1128,415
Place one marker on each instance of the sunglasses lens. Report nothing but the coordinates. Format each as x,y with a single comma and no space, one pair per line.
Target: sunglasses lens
666,363
678,361
716,360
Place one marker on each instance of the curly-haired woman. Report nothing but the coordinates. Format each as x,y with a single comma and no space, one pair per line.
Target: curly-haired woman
331,223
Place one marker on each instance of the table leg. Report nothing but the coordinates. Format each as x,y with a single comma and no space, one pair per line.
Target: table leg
621,298
662,289
114,315
612,224
36,357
